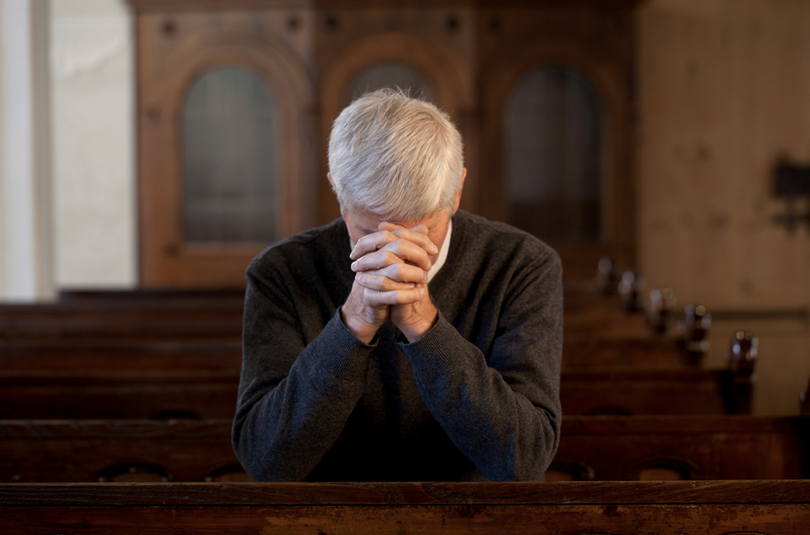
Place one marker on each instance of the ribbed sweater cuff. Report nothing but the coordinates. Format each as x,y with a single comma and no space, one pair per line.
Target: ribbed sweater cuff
433,354
345,357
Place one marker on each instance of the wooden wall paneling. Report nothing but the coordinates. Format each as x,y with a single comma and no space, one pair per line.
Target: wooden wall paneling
173,49
351,40
471,53
597,42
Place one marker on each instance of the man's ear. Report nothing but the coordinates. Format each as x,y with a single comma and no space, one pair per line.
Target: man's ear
329,178
458,193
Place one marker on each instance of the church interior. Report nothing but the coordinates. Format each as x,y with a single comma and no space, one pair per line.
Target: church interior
149,149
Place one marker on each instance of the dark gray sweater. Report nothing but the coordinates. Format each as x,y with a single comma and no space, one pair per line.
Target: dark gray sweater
476,398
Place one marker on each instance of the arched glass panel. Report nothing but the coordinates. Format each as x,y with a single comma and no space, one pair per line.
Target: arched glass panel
554,156
389,74
231,161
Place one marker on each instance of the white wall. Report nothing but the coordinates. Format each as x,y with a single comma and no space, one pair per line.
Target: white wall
25,213
93,96
3,77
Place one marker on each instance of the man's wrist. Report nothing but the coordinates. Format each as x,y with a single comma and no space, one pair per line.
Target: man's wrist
413,333
359,328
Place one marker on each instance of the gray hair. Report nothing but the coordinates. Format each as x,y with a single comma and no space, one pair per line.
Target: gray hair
395,156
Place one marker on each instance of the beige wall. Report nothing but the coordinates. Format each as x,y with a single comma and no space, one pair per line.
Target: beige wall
93,92
25,181
723,92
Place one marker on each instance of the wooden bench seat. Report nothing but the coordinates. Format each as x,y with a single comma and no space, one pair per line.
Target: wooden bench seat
203,393
684,391
591,447
116,450
120,354
683,447
590,351
598,333
131,394
661,508
125,319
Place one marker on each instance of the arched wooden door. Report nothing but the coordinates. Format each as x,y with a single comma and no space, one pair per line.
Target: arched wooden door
569,176
225,145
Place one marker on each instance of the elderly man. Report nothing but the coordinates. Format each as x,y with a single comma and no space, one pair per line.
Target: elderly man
408,340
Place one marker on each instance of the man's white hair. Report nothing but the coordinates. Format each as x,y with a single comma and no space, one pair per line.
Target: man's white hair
395,156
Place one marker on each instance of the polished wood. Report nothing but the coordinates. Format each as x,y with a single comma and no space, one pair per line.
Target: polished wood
173,48
84,450
194,391
686,447
119,354
471,53
591,447
717,507
120,320
137,394
598,43
687,391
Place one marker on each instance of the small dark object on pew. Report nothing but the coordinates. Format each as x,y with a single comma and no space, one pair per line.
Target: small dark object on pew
804,397
742,353
741,358
606,276
659,309
693,332
631,288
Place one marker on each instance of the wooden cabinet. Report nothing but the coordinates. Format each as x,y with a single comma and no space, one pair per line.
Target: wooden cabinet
209,175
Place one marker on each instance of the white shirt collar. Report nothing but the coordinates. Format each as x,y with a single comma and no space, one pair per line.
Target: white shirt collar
442,253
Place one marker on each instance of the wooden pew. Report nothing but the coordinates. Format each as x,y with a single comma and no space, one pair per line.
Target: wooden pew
116,450
204,393
597,334
98,367
133,394
601,334
591,447
665,508
100,354
127,318
683,447
683,391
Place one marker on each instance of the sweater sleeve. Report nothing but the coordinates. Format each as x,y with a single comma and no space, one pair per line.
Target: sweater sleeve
294,396
504,414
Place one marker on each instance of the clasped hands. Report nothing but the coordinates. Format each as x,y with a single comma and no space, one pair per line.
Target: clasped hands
391,275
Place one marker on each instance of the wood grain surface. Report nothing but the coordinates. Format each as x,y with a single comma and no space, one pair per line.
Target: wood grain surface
717,507
742,492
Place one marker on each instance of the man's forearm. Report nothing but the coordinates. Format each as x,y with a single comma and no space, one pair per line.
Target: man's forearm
282,430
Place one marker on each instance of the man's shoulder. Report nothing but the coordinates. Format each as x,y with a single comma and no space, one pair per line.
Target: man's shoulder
302,248
493,237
